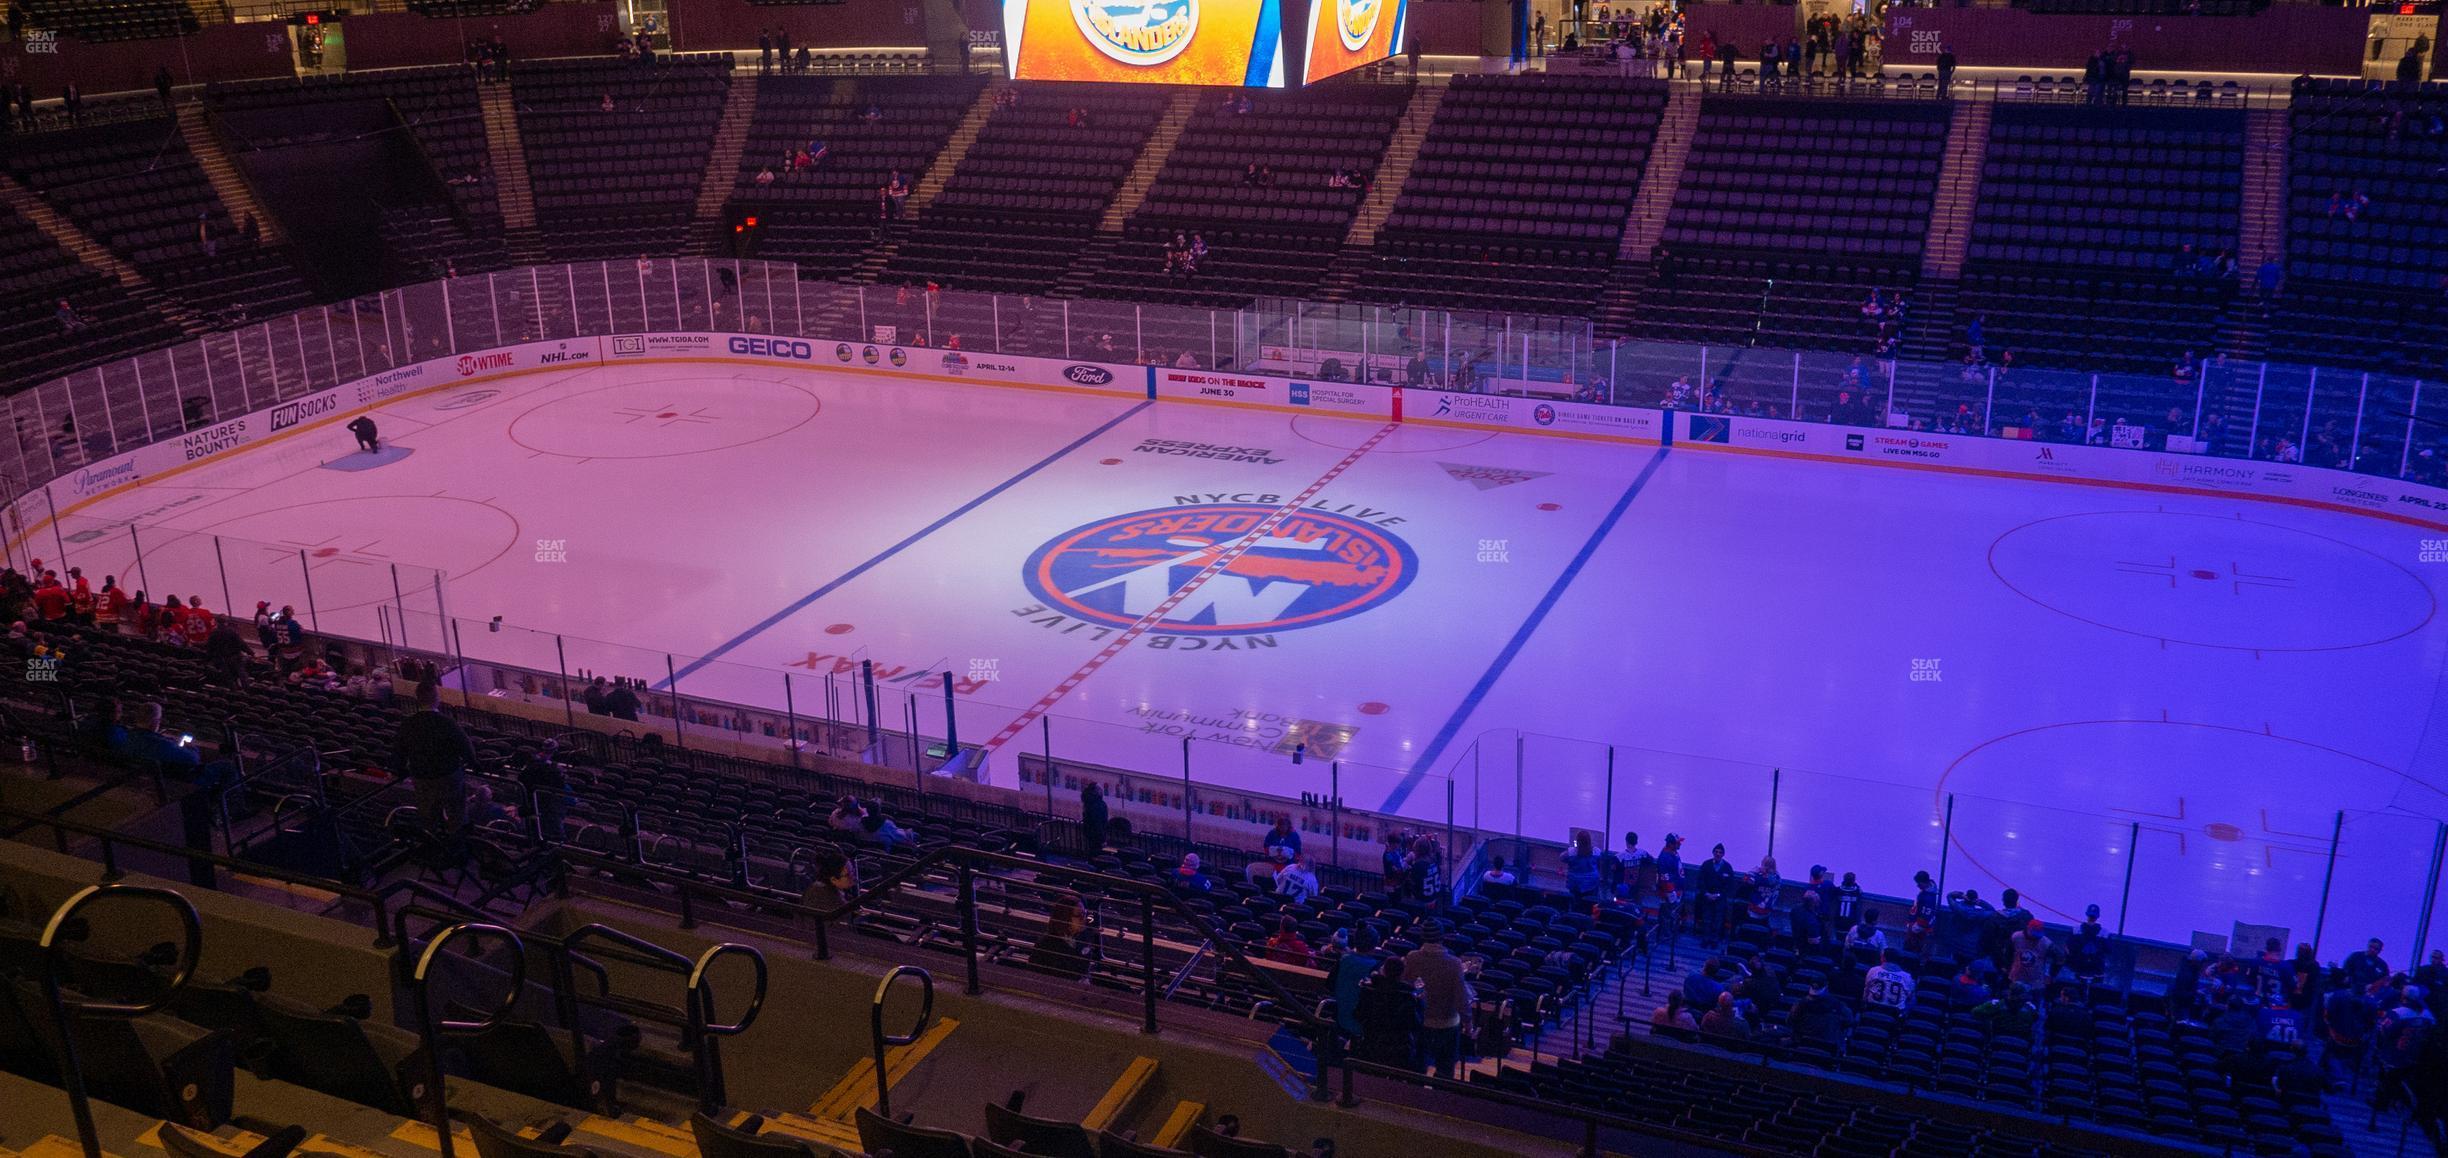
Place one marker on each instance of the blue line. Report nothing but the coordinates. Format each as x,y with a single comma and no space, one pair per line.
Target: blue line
1521,636
802,603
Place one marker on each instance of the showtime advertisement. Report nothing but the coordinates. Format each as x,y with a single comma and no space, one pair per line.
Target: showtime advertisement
1348,34
1211,42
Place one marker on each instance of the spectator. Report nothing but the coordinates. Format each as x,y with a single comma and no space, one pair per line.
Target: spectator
225,653
1389,1017
1946,71
1712,884
880,828
1888,984
847,815
1446,994
2029,955
1581,869
1864,941
1297,882
1281,840
1673,1014
2366,967
2404,1035
2348,1017
1819,1018
69,320
1723,1021
1066,946
433,753
835,882
1188,879
485,812
1286,946
1496,873
1353,966
1093,818
2087,949
148,745
621,703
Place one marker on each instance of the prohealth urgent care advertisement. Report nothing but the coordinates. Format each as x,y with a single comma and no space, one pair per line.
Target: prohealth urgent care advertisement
1347,34
1219,42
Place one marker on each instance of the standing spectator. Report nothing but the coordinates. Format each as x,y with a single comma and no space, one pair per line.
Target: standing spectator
433,753
1446,994
1844,906
1712,884
765,47
225,654
2348,1017
162,84
1946,72
2366,966
2405,1034
2028,955
621,703
1581,879
2087,949
1093,818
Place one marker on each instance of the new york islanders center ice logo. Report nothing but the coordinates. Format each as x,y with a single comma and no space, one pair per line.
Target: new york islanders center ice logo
1356,21
1137,32
1311,567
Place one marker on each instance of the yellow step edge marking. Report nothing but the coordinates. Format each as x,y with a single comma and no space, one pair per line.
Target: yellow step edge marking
857,1088
812,1130
1118,1097
54,1146
234,1145
633,1134
1177,1126
683,1133
421,1136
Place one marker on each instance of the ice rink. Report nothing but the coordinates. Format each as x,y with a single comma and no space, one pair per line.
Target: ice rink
2043,685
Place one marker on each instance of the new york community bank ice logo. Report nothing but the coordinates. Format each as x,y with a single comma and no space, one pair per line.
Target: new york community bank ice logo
1356,21
1311,567
1137,32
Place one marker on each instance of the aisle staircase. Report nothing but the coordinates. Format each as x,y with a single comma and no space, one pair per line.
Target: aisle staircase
90,251
1664,174
722,164
1959,179
1393,169
931,183
510,182
2261,233
1152,158
204,143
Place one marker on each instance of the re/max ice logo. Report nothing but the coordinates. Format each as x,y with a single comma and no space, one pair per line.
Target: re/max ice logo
774,348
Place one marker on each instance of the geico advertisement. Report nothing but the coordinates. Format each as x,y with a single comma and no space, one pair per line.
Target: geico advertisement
1222,42
1346,34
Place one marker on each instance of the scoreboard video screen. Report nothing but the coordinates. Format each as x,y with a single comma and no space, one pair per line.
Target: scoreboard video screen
1212,42
1347,34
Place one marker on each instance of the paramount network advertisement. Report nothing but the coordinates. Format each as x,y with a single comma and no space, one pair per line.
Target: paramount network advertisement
1347,34
1216,42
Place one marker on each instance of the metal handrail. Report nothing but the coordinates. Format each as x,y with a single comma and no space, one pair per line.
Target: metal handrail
875,1022
420,983
706,1032
64,1011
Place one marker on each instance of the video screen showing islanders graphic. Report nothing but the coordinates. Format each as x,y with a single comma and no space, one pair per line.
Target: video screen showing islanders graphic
1221,42
1347,34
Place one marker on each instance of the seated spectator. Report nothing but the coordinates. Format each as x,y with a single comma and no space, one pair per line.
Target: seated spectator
1287,947
69,320
1389,1013
847,815
1819,1018
1066,947
1723,1021
1281,839
1888,984
765,176
1187,877
882,830
1297,882
484,811
1672,1014
1496,873
1864,939
605,105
